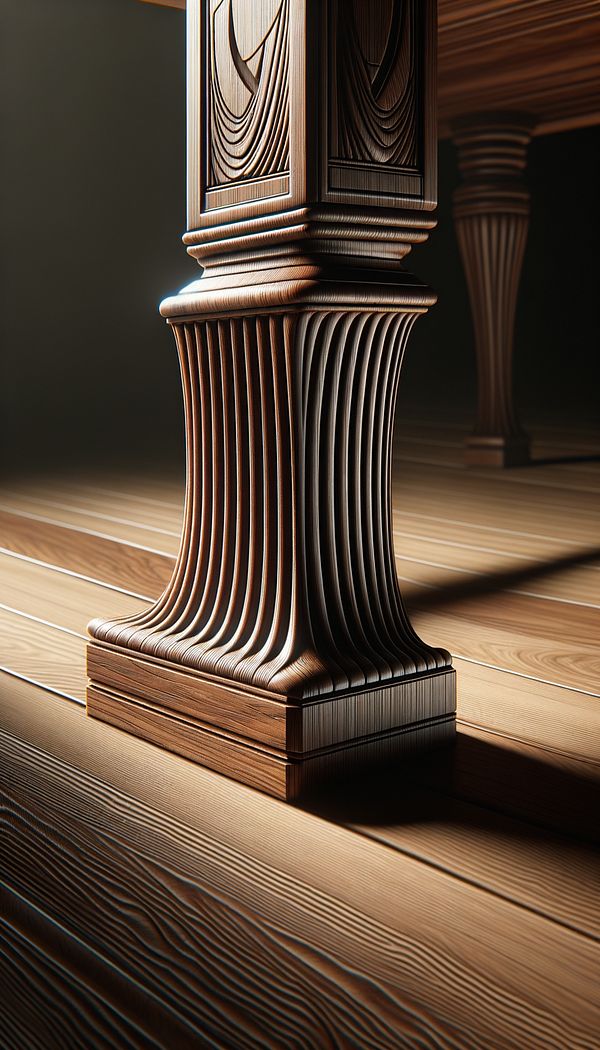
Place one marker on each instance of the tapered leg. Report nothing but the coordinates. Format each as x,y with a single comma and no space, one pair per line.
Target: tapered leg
491,212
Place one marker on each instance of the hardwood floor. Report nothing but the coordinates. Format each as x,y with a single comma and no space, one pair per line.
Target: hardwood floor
452,902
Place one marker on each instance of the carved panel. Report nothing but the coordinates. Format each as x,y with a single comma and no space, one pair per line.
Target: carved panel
375,97
247,68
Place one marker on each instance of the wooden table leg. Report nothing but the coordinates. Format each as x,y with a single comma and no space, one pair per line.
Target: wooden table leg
491,212
280,651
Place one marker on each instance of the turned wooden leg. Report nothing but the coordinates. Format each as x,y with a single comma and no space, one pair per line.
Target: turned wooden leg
280,652
491,212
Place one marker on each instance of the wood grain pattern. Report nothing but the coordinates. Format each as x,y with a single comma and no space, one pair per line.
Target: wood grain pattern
92,519
374,84
98,557
92,1001
34,590
545,787
433,563
482,501
526,710
559,662
317,930
42,654
378,70
539,57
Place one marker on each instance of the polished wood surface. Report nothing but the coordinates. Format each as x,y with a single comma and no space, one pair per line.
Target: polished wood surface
213,911
541,58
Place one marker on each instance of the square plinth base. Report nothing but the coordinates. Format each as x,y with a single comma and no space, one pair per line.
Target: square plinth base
264,740
496,452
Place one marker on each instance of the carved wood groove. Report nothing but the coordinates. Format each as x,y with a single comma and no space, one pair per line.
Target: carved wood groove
249,132
293,595
375,82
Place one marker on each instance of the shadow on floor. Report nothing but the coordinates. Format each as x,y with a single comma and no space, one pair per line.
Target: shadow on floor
556,794
553,461
500,579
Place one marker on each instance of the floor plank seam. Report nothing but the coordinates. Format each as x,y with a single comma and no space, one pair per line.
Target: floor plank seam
88,532
74,575
522,674
41,685
381,843
594,938
570,755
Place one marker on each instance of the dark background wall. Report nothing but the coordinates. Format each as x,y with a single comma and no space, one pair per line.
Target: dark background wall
93,207
557,334
91,214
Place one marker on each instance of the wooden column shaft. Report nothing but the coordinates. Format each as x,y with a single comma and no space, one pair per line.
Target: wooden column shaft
491,212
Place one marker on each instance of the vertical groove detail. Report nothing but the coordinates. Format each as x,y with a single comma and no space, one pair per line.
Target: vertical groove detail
491,209
286,578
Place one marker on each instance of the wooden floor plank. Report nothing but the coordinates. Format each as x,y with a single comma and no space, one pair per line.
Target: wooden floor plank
103,505
164,540
318,895
98,557
572,457
492,535
63,600
545,787
40,653
529,865
573,435
573,578
535,713
548,475
58,991
484,501
575,666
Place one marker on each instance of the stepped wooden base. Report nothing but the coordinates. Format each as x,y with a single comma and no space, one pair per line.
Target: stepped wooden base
496,452
262,739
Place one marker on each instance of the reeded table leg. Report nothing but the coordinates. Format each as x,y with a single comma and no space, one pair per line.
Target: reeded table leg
491,212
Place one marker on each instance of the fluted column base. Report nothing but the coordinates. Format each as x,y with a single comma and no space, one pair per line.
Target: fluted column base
281,652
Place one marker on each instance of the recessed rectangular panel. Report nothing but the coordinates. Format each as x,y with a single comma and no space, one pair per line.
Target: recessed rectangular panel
377,136
246,63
